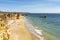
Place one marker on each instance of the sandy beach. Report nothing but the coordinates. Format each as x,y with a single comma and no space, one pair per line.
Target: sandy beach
18,31
21,29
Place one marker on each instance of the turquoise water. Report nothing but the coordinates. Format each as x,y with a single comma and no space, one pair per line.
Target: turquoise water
50,25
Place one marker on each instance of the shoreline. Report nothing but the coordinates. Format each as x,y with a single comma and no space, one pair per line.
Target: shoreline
35,32
21,29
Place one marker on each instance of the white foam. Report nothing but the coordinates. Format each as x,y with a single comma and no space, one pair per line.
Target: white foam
38,31
34,31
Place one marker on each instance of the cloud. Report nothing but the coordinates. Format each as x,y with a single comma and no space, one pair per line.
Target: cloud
45,10
40,6
53,0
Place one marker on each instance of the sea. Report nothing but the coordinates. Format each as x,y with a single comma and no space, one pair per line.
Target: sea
50,25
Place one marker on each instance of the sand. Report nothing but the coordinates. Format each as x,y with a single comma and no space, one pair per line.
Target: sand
21,29
18,31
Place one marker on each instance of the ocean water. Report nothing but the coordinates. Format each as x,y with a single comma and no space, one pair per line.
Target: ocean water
49,25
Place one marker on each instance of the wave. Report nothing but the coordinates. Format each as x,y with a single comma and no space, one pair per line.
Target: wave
36,32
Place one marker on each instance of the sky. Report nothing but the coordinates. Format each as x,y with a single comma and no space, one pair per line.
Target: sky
32,6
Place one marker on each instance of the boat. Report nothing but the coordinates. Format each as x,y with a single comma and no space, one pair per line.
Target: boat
43,16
